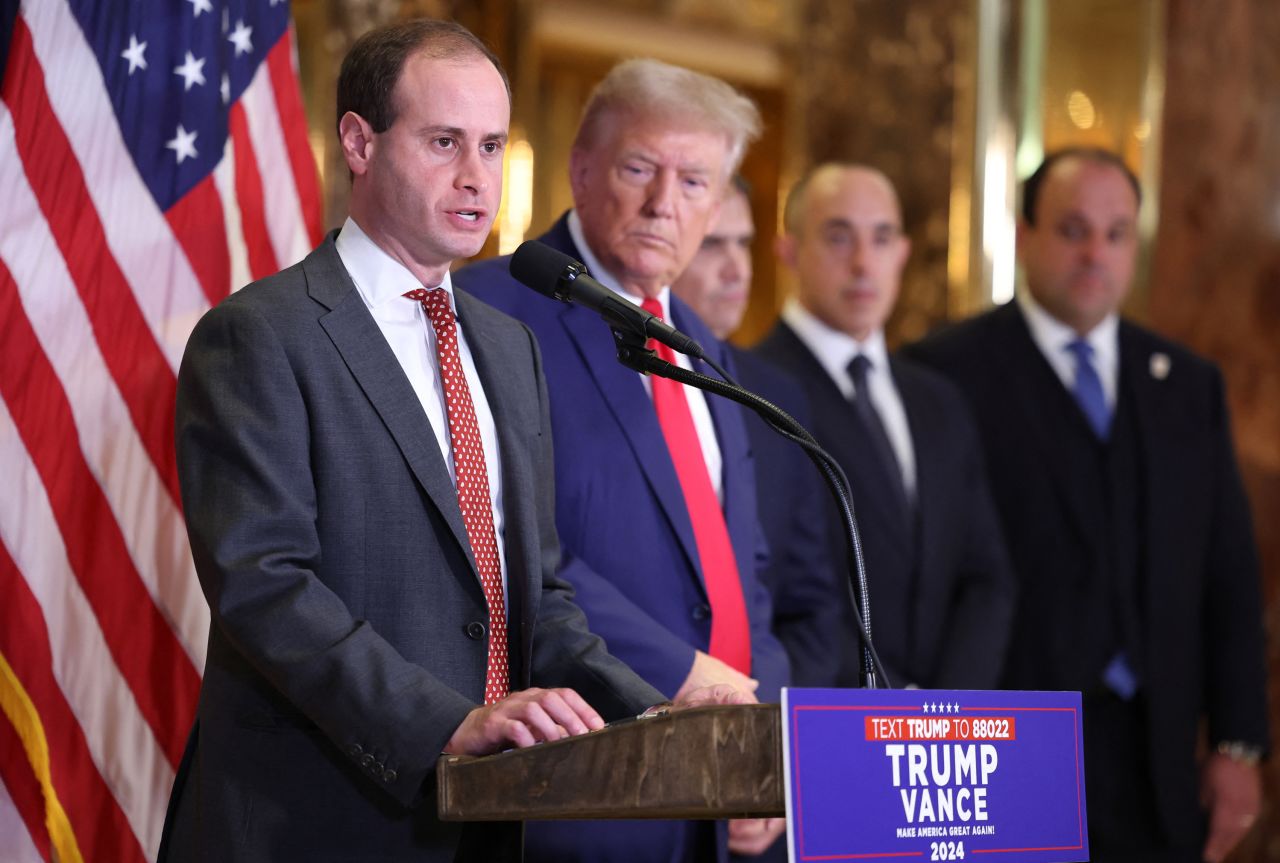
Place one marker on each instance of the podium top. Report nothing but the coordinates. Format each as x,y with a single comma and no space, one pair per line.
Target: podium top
702,763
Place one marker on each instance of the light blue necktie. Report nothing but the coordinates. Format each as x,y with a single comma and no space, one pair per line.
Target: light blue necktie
1119,675
1088,389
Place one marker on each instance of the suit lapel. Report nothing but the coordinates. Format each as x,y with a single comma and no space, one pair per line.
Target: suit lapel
503,390
356,337
632,407
1152,417
1033,385
929,452
846,442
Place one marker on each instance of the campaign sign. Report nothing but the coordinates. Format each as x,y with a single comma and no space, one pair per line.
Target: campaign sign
893,774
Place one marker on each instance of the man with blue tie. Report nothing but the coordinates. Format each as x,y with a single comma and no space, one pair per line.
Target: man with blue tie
655,489
1113,470
940,584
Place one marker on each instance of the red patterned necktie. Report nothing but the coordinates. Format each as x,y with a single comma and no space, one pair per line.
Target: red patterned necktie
472,483
730,631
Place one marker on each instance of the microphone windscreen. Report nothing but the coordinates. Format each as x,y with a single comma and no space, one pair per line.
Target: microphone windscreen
539,266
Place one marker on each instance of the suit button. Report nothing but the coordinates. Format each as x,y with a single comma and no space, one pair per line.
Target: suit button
354,750
701,611
475,630
366,761
389,776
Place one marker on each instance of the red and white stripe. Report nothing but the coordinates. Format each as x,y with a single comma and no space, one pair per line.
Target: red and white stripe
101,617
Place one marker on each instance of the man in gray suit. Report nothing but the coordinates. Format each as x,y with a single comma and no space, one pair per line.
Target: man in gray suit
365,465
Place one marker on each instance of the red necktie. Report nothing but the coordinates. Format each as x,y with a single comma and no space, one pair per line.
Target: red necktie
730,631
472,484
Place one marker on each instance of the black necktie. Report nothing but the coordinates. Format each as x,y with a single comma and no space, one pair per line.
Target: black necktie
874,432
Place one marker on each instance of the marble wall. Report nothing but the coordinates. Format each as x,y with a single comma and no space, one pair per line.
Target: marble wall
893,66
1216,266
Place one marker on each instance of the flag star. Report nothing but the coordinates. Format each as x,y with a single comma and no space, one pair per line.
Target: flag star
240,38
191,70
225,89
135,54
198,6
183,144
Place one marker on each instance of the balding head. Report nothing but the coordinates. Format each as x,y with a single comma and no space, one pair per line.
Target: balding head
845,243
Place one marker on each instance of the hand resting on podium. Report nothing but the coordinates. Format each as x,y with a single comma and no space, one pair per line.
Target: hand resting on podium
535,715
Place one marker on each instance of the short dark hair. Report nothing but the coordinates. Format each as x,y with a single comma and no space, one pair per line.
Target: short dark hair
1031,186
371,69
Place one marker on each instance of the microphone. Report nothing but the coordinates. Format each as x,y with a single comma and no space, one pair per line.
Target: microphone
558,276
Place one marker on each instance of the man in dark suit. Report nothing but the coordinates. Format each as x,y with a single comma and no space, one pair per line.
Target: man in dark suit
1112,467
364,458
655,492
940,585
793,502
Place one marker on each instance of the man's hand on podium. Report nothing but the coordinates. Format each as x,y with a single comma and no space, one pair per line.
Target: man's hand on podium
752,836
523,719
710,673
1231,790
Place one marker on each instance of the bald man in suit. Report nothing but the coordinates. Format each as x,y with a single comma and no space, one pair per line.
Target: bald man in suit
941,589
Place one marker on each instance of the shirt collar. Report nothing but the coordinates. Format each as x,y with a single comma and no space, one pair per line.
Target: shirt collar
1052,336
833,348
379,278
603,276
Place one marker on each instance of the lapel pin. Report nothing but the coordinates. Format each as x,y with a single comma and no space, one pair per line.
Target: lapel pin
1160,364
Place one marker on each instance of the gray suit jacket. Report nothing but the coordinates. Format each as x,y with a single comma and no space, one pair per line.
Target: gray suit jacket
349,627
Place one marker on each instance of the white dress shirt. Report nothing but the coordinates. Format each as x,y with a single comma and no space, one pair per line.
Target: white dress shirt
382,282
1052,337
835,350
697,401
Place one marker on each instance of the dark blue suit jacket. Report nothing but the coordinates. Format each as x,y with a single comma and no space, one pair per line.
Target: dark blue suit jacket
807,589
625,532
942,593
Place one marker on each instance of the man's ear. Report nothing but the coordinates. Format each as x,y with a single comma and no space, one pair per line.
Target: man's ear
356,136
578,173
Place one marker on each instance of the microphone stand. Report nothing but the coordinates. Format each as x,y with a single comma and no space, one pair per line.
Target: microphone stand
634,354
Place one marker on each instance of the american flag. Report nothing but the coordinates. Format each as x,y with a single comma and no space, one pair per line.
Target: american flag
153,156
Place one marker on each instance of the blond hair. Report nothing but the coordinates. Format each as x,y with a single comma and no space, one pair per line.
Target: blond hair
651,88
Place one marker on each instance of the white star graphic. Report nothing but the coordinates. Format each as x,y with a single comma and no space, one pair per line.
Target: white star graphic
240,38
183,144
926,707
198,6
191,70
135,54
225,89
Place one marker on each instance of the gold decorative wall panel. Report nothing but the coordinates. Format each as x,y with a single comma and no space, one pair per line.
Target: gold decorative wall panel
1215,279
876,84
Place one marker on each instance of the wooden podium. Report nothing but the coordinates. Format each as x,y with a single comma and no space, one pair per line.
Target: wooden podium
702,763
